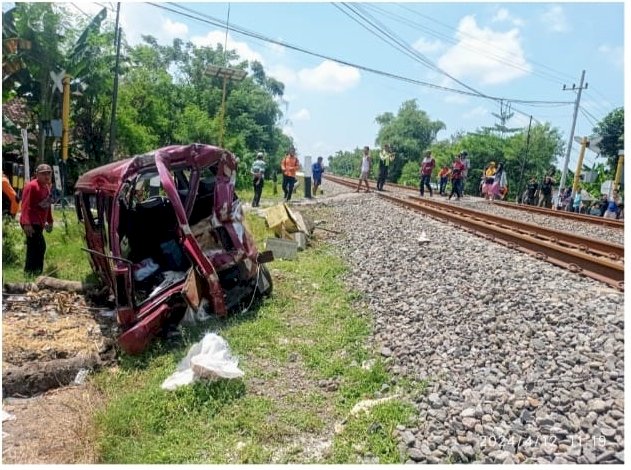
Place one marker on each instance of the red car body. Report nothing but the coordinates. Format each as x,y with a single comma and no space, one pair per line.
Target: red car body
189,226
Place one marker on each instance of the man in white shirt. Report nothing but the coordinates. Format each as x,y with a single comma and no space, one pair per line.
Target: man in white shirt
364,170
258,177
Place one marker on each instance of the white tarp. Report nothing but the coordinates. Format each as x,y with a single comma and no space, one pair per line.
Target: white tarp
209,359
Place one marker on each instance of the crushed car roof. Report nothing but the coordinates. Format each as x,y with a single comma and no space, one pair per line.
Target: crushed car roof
107,178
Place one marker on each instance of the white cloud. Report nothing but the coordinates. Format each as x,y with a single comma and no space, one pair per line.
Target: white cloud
283,73
219,37
504,15
329,77
289,131
178,30
484,55
425,46
554,18
302,115
476,112
138,19
612,54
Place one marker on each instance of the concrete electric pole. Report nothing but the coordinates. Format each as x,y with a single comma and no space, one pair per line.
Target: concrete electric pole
569,142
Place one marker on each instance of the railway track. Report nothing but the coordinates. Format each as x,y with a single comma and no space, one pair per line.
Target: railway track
602,261
591,219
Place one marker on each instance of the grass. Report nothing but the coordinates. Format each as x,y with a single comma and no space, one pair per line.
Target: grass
64,257
306,333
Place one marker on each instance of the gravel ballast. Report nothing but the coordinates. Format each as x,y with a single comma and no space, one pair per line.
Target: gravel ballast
524,360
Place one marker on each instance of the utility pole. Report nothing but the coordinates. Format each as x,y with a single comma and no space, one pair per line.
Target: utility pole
523,163
117,35
616,182
569,143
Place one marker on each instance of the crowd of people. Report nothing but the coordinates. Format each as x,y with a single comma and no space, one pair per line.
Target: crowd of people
493,184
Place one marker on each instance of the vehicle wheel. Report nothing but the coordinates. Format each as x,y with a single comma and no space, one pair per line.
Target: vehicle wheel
265,279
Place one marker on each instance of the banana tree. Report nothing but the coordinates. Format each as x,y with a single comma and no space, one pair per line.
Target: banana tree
42,29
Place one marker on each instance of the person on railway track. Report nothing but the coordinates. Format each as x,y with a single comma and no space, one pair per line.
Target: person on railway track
545,194
258,177
290,165
316,170
427,168
489,179
464,158
456,179
613,206
36,216
443,178
385,159
577,201
602,205
499,188
364,170
531,191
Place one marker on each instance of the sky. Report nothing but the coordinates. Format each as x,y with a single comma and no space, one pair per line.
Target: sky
514,51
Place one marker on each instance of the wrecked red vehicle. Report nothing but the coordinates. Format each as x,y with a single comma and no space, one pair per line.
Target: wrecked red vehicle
164,231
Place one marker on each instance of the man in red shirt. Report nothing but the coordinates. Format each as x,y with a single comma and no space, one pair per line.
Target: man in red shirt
456,178
427,167
37,216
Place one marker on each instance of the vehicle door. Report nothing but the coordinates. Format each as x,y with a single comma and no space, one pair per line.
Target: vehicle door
95,210
200,262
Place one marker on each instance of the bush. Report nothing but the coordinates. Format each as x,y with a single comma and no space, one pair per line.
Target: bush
12,241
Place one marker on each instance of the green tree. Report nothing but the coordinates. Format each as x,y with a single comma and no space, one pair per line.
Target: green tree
611,128
409,133
46,34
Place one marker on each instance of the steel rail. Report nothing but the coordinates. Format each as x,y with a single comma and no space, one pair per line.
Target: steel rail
588,245
592,219
595,267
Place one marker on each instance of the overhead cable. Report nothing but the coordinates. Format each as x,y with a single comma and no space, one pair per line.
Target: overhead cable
190,13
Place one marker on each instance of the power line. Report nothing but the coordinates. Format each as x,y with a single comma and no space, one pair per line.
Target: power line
381,28
245,32
590,117
449,39
560,74
84,13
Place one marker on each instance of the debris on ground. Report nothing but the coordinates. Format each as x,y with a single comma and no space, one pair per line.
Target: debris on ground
208,359
292,230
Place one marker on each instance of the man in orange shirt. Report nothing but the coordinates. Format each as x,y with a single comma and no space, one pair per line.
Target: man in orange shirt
290,165
37,216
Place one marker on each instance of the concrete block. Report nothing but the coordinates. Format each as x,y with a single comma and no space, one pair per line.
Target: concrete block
282,249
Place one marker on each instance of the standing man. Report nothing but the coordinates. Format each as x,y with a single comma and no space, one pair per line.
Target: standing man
290,165
364,170
443,176
258,177
532,189
456,179
464,158
545,196
385,158
427,167
316,171
36,217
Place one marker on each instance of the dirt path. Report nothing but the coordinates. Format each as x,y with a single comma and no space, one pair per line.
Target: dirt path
43,332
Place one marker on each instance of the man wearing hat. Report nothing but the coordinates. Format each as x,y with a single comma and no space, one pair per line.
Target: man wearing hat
36,217
258,177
